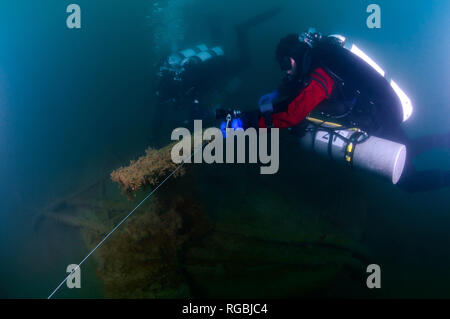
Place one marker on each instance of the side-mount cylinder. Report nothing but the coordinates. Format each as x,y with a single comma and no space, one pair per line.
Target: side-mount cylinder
379,156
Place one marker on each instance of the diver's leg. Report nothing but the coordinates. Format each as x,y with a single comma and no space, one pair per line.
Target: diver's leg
242,29
427,143
416,146
214,25
412,180
243,59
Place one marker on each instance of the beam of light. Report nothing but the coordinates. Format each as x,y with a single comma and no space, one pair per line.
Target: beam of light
404,99
367,59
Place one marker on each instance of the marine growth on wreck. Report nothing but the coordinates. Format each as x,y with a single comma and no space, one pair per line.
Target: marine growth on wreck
172,247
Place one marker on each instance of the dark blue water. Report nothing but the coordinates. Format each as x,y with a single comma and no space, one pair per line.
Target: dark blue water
75,104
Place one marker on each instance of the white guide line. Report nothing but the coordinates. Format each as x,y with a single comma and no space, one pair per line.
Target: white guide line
122,221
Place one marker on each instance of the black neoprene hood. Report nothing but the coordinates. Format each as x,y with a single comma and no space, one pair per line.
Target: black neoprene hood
290,47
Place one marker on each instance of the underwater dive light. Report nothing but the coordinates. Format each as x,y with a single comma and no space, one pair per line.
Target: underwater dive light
355,50
404,99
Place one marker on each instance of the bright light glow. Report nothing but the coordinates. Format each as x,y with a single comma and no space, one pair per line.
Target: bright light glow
339,37
365,57
404,99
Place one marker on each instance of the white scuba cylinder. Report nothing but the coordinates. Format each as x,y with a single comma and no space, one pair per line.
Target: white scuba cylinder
200,52
218,51
379,156
202,47
204,55
207,53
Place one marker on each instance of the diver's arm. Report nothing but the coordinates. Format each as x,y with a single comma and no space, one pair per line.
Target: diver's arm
318,90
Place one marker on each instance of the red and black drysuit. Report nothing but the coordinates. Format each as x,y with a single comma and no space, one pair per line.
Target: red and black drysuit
317,89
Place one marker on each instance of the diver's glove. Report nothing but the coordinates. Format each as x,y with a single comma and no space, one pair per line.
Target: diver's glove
268,98
266,102
266,106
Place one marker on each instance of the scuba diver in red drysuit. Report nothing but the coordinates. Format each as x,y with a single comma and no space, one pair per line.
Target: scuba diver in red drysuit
314,83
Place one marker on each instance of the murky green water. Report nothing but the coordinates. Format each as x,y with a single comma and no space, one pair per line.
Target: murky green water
76,104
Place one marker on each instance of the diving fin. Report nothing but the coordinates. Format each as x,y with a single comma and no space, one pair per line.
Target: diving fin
260,18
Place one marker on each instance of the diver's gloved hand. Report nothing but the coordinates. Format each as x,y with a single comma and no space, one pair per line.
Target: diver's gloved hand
266,106
268,98
266,102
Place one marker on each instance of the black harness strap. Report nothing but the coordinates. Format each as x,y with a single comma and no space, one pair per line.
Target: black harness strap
323,83
268,119
321,77
353,141
330,144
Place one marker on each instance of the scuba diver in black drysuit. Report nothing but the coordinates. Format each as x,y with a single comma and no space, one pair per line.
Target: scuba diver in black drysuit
185,77
329,82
